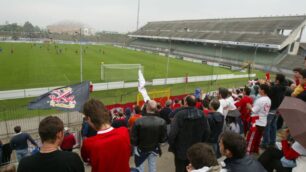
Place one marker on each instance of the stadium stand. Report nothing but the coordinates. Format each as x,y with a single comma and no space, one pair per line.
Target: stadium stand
266,41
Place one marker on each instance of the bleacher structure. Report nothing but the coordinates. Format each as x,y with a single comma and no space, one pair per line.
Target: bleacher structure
267,42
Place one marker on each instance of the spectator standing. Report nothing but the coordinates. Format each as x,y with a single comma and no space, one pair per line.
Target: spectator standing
134,117
242,107
260,111
216,122
297,77
127,113
298,87
202,159
87,130
147,133
176,104
50,159
188,127
224,104
19,142
233,147
276,94
165,112
302,95
110,149
69,140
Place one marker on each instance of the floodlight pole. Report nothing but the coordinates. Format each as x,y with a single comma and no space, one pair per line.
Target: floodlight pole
138,15
81,56
168,60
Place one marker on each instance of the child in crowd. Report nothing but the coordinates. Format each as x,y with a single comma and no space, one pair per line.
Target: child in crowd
202,159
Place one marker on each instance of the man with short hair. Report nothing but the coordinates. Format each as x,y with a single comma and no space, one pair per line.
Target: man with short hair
188,127
216,122
69,140
276,94
110,149
147,133
297,76
233,147
50,159
20,143
135,116
302,95
165,112
224,103
260,111
298,86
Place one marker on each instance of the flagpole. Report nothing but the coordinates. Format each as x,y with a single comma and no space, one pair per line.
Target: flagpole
138,15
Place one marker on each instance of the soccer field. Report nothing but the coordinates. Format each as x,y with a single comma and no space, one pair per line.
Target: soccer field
27,65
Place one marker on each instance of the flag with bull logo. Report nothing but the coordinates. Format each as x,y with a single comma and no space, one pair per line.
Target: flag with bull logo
69,98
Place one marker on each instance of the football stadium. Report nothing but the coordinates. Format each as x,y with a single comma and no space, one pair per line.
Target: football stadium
220,94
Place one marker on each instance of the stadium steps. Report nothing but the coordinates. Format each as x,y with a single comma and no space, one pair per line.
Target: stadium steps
292,61
241,54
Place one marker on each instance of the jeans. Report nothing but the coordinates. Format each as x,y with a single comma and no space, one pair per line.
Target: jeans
151,163
21,153
215,147
269,136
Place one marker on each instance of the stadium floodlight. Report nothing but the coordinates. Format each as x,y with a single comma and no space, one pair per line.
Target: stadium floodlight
81,55
120,72
138,14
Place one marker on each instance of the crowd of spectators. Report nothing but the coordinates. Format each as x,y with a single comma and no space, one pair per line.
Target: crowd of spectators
227,130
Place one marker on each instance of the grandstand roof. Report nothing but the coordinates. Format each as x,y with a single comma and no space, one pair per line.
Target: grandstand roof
267,32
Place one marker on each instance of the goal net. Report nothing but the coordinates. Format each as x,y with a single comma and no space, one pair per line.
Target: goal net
120,72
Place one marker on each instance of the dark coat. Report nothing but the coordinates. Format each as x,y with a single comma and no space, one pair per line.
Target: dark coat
188,127
148,132
216,121
243,164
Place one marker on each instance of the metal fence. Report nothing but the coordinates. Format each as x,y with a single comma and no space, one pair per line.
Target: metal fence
30,124
24,93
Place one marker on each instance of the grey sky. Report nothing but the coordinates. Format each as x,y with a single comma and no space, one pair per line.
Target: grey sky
120,15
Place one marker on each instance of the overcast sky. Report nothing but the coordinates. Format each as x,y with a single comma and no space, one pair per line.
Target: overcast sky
121,15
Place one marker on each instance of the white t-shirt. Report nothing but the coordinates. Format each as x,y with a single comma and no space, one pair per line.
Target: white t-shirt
261,108
231,103
226,105
223,107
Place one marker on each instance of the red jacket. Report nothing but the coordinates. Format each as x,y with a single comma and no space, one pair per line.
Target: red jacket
68,142
109,150
288,152
175,106
242,104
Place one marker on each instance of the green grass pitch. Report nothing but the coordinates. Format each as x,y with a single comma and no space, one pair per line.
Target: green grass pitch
28,65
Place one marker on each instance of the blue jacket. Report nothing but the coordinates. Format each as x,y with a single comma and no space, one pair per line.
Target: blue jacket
19,141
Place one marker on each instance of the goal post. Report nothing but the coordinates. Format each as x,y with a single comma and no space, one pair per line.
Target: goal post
120,72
